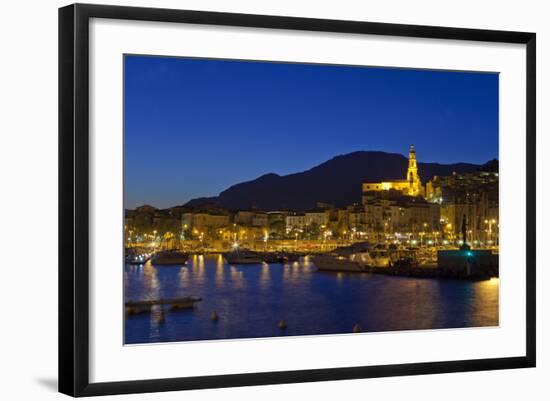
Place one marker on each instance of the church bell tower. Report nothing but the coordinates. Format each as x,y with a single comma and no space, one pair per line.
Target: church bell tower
415,185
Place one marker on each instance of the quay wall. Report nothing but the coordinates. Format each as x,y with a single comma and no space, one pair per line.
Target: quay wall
468,262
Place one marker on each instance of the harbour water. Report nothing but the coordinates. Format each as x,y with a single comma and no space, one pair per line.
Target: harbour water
250,300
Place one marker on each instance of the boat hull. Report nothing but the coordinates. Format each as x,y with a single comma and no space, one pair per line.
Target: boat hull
337,264
244,261
169,258
243,257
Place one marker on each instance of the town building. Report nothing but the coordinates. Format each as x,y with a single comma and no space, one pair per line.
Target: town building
295,221
357,218
389,213
259,219
203,221
472,195
276,224
276,216
315,217
244,217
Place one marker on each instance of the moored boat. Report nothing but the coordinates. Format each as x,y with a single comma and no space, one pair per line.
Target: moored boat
271,257
355,248
380,257
290,256
135,257
242,257
169,257
339,263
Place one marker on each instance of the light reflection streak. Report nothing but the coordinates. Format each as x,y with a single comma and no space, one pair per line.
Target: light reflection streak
237,278
219,278
265,276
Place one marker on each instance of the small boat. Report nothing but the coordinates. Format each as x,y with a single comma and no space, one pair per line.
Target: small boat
355,248
380,257
403,258
169,257
339,263
138,307
242,257
271,257
289,257
135,257
404,262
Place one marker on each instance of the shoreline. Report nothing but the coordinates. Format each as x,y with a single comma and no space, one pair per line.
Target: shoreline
431,271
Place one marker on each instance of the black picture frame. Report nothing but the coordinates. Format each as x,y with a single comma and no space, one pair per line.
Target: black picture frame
74,198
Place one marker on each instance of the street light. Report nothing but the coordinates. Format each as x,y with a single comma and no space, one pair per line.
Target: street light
490,232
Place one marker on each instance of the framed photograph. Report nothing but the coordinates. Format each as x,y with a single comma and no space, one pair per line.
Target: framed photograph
250,199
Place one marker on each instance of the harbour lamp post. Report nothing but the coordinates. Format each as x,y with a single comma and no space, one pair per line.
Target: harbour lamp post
184,233
490,231
448,229
425,226
491,222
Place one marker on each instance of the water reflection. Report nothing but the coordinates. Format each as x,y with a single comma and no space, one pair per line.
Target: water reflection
251,299
485,302
151,283
198,267
184,277
220,277
237,277
265,276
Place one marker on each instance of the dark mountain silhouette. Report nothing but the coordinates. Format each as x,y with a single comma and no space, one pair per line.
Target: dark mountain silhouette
491,166
336,181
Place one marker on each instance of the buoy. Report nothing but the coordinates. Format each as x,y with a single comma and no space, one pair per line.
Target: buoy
214,316
357,328
282,324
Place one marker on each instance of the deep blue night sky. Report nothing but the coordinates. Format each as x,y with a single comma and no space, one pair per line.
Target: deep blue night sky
195,127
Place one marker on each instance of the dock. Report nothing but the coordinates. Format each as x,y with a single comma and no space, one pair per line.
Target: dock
135,307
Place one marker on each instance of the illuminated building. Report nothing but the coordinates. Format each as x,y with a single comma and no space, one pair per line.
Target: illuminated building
317,217
411,185
474,195
204,221
295,221
401,214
